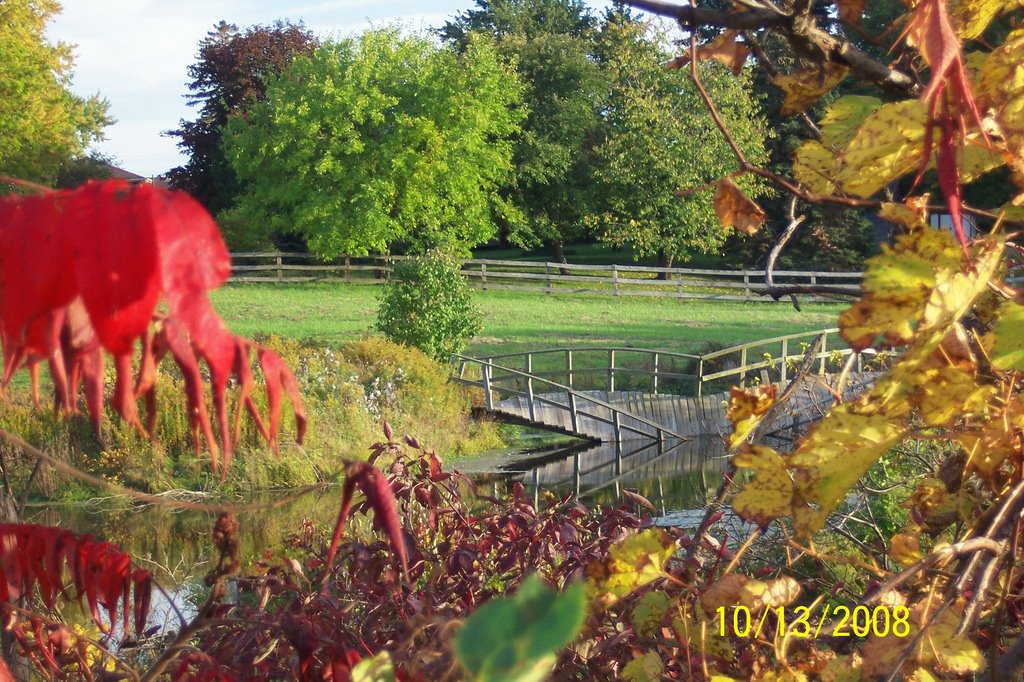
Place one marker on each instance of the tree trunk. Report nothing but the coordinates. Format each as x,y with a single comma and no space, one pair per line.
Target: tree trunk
665,261
559,248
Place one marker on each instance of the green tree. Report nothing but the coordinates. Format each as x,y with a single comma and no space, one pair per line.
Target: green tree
380,142
427,304
229,75
660,140
551,42
42,124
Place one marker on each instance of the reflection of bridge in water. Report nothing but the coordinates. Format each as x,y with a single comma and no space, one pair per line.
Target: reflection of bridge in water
651,414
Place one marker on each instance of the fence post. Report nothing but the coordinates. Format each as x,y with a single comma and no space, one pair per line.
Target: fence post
547,277
574,414
746,284
280,272
617,425
529,399
487,385
611,371
348,270
655,380
824,354
679,285
483,275
743,366
700,376
568,367
615,279
785,354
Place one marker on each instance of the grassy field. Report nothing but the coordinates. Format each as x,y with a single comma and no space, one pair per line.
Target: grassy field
328,314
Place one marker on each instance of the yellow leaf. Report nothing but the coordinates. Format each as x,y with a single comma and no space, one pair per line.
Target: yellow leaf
842,669
905,549
815,167
782,591
836,453
988,447
1007,338
729,591
634,562
782,675
844,117
804,88
888,145
977,158
948,393
646,668
939,648
921,675
770,495
912,214
739,590
897,284
972,17
1001,89
735,210
747,406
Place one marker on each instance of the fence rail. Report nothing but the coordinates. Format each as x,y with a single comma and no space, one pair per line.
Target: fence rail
549,278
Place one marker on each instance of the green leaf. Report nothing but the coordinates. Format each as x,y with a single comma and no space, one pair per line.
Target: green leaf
843,117
649,612
646,668
376,669
514,639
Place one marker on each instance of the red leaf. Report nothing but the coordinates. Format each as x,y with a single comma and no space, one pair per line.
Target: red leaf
381,499
116,264
277,376
102,255
32,286
100,572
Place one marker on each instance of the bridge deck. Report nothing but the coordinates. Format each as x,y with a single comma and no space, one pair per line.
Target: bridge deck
687,416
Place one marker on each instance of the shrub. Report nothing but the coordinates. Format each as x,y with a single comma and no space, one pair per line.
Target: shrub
427,304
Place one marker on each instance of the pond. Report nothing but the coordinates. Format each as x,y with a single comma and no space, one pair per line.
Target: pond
677,477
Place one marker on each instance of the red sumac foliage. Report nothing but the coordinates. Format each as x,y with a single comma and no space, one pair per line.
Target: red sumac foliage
101,575
82,272
334,600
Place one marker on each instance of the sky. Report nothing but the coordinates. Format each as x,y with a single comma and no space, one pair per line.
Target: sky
135,53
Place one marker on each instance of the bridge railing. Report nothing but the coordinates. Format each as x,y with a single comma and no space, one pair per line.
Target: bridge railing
604,368
499,382
778,357
608,368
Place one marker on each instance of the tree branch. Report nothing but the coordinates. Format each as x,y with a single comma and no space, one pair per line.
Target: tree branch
803,33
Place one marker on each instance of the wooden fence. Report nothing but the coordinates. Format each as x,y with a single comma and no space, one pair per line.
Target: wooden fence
549,278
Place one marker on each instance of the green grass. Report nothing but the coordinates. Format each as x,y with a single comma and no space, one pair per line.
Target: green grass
329,314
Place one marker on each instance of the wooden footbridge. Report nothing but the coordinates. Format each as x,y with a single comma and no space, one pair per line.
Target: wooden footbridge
623,394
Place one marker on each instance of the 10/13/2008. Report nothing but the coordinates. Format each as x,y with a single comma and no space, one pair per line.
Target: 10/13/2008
860,621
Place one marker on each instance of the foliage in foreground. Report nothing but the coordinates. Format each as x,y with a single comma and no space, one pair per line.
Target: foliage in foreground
427,304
